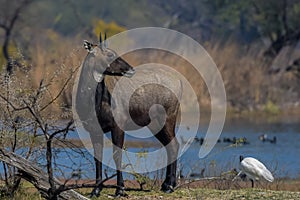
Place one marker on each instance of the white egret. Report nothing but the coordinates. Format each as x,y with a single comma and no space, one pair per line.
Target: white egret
254,169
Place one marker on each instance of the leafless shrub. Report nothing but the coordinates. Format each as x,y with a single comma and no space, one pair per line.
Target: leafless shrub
32,129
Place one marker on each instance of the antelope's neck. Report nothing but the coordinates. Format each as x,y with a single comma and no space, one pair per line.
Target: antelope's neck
85,96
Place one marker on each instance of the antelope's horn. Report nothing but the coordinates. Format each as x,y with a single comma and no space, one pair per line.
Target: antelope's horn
105,42
100,38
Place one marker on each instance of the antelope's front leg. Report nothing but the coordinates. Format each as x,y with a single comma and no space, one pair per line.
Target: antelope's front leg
118,140
97,141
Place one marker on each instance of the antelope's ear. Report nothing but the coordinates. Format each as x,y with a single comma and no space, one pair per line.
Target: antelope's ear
89,46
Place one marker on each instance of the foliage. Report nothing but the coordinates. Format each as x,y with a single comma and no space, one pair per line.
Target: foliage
271,108
235,33
255,19
14,51
251,19
30,128
109,28
48,31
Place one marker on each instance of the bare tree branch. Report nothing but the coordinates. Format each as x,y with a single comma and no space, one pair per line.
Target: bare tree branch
15,108
62,89
36,175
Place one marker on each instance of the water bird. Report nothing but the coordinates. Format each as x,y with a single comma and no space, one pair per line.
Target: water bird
264,138
197,175
254,169
200,140
244,141
227,140
235,140
274,140
76,174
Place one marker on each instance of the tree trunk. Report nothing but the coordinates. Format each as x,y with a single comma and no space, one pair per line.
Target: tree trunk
35,175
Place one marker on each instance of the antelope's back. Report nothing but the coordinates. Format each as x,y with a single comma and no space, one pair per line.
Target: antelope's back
146,88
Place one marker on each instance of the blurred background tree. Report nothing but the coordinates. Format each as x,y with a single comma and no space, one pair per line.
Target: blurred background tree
10,15
243,37
109,28
255,45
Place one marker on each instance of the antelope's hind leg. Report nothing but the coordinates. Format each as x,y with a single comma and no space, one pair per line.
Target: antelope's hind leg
118,140
167,137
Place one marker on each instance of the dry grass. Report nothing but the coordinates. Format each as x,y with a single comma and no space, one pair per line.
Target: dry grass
288,189
247,80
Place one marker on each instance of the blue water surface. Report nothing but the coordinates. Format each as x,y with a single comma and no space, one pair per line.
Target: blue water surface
281,158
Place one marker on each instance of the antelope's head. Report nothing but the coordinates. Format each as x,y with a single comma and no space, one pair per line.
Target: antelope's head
105,61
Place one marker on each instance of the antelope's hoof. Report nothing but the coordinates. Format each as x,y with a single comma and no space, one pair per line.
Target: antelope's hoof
120,192
167,189
95,192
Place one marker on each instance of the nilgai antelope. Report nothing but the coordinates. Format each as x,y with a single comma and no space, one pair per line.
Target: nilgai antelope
101,70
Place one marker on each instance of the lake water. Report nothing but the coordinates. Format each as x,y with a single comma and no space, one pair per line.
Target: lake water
281,158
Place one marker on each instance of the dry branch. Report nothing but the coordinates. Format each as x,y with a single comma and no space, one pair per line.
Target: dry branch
35,175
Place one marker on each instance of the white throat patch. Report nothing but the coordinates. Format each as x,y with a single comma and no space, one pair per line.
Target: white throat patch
98,76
